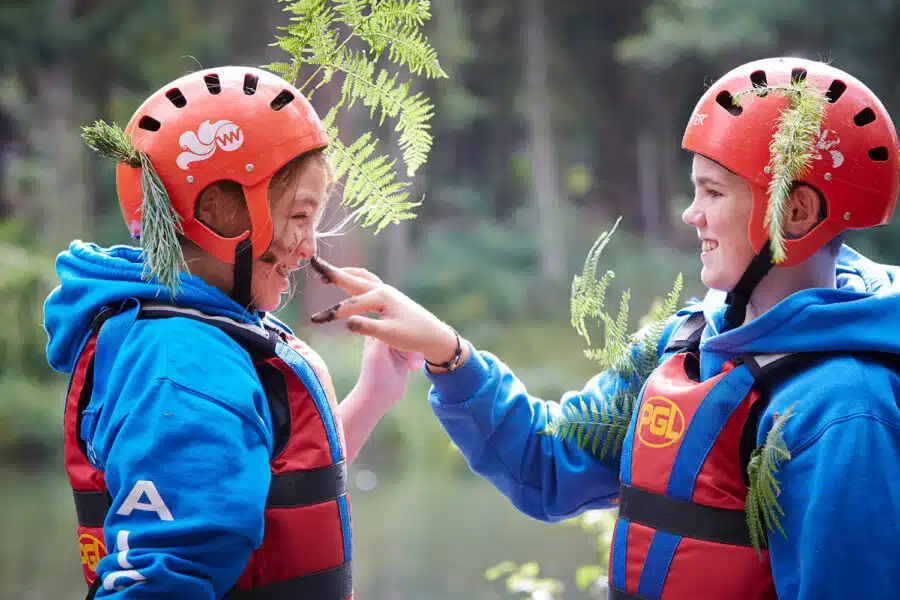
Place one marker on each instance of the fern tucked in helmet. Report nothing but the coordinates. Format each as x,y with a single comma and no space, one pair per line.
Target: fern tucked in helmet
781,121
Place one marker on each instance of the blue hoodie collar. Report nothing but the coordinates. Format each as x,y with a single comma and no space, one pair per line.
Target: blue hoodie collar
859,315
92,277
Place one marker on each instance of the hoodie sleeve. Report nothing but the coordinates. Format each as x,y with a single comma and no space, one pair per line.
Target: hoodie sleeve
496,424
841,510
185,449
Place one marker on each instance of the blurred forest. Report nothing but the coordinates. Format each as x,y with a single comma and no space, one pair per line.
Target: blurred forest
557,118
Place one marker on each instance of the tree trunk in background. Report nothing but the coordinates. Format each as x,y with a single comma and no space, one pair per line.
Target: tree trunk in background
542,146
64,208
648,185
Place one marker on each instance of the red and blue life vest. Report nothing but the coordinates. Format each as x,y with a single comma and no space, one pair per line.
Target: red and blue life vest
682,532
306,547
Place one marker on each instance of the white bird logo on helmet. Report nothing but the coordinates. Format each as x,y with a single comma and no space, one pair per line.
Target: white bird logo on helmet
202,145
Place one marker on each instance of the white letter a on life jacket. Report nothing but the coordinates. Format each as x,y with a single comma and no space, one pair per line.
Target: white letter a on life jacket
155,504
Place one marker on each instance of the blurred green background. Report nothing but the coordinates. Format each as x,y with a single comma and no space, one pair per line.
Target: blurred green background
558,117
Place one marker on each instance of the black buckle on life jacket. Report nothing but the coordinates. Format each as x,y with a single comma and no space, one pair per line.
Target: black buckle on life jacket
330,584
687,519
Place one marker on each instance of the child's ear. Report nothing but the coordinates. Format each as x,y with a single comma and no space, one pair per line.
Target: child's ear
804,207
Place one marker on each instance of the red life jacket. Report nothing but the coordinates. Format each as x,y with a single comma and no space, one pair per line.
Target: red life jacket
681,533
305,552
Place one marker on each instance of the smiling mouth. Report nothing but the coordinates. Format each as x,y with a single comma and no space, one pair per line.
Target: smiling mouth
285,270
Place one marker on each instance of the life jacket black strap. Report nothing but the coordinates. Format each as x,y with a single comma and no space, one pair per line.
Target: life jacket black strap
305,488
686,519
687,335
738,298
617,594
91,508
258,341
92,591
331,584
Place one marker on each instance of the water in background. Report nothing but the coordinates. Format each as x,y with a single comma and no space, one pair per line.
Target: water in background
417,535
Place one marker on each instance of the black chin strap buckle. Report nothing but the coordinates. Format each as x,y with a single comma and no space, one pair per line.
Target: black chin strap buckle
738,298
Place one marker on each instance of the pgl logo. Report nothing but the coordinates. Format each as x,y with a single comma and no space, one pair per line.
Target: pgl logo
661,422
92,550
202,145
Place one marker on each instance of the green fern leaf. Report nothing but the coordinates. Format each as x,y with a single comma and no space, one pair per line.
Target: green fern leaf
589,425
791,149
370,184
392,99
761,506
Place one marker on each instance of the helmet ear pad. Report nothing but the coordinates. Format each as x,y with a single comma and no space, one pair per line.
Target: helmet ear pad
260,223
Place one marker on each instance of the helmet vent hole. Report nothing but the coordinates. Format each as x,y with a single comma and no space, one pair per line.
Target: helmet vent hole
798,75
834,92
281,100
758,79
879,154
250,81
864,117
212,83
726,101
176,97
149,123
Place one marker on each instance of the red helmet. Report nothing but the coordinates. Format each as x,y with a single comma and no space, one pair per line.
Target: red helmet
236,123
856,164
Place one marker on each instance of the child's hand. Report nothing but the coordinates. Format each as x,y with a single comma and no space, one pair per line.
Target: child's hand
402,324
385,372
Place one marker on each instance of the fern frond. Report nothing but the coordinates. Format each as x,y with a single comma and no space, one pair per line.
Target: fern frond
370,184
589,293
311,38
393,99
109,141
405,45
791,149
616,351
647,339
591,422
761,505
318,35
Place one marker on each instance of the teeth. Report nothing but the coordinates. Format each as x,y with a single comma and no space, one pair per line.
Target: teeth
709,245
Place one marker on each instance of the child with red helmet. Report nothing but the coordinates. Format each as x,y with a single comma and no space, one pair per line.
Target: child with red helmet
773,409
204,444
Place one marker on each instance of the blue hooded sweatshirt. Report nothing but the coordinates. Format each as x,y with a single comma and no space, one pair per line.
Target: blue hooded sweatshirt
185,444
839,489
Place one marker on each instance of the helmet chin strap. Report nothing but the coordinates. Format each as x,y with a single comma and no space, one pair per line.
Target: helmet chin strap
738,298
243,272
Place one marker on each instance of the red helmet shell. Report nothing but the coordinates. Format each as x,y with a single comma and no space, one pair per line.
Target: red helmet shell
856,165
230,123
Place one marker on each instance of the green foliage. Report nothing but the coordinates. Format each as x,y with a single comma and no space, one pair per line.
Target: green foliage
632,357
318,36
109,141
160,224
762,496
589,423
791,149
524,579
